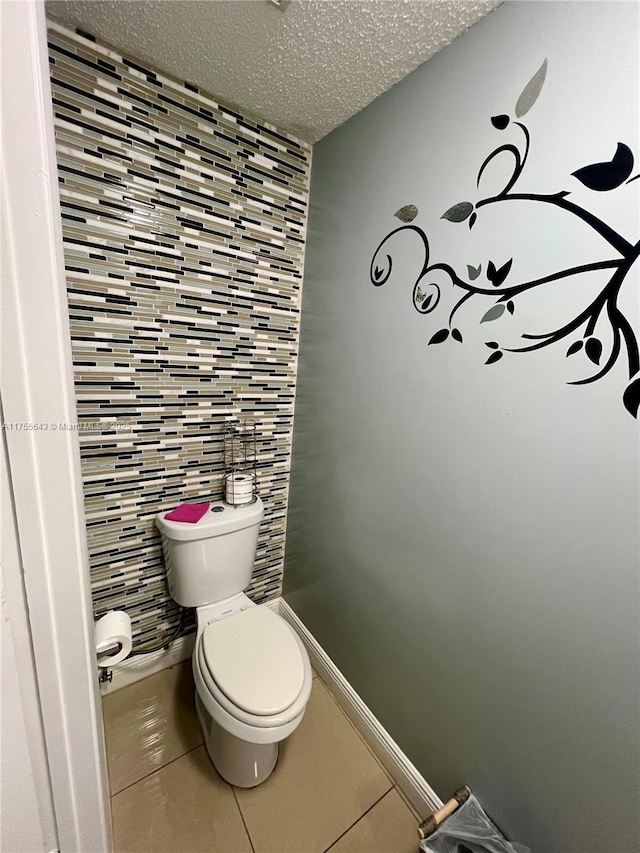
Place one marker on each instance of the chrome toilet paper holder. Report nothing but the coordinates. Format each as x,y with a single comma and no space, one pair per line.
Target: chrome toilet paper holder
106,675
240,457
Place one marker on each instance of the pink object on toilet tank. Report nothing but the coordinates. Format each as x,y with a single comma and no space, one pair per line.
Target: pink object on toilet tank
190,513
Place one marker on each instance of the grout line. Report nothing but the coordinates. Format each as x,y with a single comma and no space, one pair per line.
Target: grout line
364,814
244,823
158,769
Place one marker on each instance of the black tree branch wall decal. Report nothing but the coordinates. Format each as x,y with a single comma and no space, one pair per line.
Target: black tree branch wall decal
604,308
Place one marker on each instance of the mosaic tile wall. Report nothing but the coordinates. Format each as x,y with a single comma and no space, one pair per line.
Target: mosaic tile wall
184,228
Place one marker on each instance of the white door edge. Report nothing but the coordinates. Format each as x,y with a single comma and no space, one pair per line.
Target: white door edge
37,389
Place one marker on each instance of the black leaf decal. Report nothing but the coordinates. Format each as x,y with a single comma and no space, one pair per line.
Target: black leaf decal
502,273
456,335
607,176
459,212
500,122
593,349
631,397
427,302
531,91
574,348
377,273
474,272
492,344
510,307
497,276
472,221
493,313
495,356
439,337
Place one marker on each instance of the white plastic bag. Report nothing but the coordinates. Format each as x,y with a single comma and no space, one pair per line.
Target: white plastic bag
469,830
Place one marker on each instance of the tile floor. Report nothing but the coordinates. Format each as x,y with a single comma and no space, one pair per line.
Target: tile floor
327,793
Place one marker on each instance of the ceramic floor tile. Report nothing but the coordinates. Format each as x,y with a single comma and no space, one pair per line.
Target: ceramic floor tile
183,807
149,724
325,780
389,827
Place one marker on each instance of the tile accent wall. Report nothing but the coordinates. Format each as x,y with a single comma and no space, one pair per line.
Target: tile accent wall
184,228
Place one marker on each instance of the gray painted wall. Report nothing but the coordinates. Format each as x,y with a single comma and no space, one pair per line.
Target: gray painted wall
463,539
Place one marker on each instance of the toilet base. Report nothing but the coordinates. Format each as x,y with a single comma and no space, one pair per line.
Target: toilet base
239,762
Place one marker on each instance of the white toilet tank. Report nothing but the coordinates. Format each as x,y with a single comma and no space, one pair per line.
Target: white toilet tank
213,558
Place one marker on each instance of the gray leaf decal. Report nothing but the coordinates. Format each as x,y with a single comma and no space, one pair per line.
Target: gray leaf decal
493,313
474,272
459,212
531,91
407,213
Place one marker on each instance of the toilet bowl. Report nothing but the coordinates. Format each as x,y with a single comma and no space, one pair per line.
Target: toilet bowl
251,671
253,680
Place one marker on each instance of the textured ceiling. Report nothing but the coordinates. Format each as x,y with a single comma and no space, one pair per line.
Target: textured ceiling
306,69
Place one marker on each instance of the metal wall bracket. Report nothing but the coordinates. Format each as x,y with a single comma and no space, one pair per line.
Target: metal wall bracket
106,675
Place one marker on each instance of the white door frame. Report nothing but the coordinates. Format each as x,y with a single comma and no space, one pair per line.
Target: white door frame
37,389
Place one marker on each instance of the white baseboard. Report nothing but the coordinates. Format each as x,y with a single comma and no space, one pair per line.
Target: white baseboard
140,666
412,784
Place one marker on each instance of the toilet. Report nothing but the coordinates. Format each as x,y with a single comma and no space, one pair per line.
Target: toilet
251,671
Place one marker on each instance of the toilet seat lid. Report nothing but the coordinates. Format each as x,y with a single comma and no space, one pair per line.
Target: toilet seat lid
254,658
